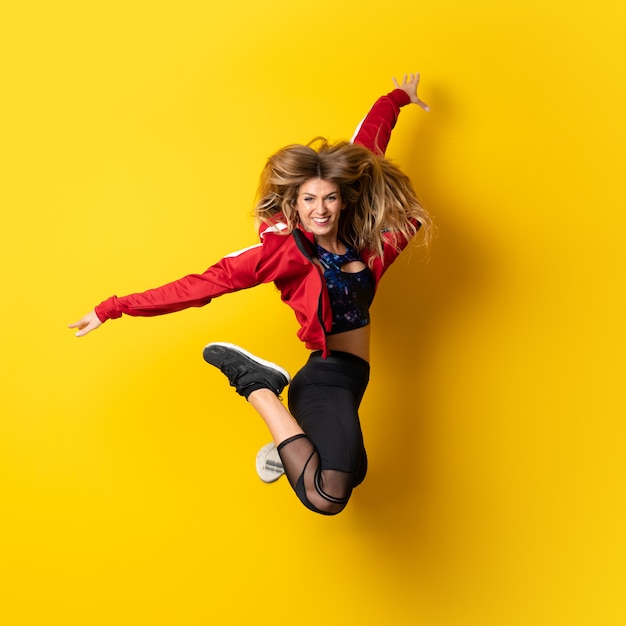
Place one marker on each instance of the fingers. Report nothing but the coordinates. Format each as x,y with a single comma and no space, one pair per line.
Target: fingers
86,324
83,327
414,79
405,81
422,104
409,84
408,79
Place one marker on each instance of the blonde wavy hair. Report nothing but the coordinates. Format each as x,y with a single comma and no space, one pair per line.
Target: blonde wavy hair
379,197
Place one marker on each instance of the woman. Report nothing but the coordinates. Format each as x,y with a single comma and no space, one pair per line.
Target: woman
332,218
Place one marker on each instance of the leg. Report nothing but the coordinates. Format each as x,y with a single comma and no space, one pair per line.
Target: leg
326,405
325,465
260,382
278,420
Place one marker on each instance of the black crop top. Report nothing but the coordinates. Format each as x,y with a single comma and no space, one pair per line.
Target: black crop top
351,293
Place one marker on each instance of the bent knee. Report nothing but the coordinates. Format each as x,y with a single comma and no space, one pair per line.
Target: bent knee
323,504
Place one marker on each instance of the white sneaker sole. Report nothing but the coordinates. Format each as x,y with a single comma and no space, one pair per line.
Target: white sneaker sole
269,467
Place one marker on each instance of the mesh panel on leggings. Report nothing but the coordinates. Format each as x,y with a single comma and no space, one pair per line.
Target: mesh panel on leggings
323,491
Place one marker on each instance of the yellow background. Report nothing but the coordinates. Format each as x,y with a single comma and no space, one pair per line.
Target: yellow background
133,134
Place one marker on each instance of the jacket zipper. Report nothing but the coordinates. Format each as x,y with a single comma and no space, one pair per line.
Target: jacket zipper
297,235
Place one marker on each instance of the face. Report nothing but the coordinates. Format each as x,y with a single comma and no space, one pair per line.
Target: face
319,205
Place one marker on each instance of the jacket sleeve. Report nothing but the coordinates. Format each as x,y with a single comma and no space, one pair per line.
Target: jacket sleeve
374,131
234,272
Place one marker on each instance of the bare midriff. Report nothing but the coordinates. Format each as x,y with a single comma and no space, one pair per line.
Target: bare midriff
355,341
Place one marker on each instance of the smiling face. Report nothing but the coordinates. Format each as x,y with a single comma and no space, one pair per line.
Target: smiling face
319,205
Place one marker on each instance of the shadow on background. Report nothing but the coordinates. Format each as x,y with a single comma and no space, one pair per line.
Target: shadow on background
406,503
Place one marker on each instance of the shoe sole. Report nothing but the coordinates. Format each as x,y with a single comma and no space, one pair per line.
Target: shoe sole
268,471
249,355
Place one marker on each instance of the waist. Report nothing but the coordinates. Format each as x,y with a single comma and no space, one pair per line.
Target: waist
338,355
356,342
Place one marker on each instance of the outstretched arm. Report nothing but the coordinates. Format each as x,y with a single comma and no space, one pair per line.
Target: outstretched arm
374,132
234,272
260,263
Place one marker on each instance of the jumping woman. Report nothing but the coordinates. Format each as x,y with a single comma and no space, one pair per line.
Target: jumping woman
331,218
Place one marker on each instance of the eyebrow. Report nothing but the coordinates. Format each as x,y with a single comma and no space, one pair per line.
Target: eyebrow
307,193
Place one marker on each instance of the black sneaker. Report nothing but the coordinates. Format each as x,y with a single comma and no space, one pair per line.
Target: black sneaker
245,372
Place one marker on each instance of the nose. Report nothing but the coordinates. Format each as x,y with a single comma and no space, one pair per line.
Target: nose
321,206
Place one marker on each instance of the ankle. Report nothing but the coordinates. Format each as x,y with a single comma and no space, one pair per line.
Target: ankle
262,395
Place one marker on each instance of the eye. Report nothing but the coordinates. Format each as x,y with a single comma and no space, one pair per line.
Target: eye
308,198
332,198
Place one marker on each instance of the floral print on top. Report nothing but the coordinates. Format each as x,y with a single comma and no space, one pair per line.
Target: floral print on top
351,293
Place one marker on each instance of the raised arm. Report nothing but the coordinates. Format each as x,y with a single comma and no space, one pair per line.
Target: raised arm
374,132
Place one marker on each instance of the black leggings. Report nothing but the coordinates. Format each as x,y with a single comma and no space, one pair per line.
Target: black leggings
325,464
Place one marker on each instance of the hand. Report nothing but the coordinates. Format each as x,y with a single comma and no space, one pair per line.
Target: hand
85,325
409,85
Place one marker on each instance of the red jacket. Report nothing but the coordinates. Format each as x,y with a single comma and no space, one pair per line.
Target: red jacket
282,259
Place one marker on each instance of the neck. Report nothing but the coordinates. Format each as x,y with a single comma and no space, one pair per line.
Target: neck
332,245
